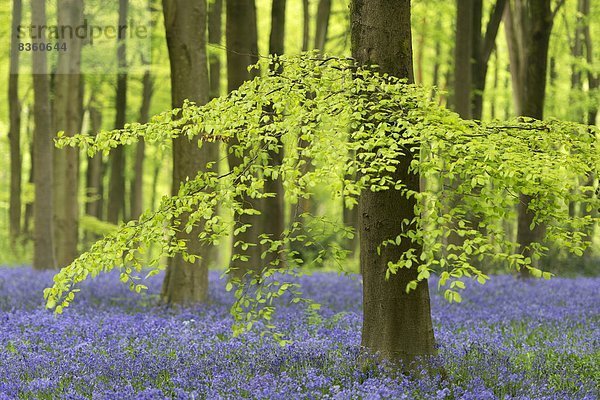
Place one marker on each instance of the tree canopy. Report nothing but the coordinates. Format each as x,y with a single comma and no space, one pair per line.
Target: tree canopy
357,124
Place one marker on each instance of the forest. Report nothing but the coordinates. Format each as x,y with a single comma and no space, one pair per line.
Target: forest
300,199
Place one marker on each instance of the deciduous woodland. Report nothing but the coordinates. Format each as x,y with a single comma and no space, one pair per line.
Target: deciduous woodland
300,199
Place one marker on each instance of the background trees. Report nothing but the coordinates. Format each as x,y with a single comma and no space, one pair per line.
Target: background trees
255,28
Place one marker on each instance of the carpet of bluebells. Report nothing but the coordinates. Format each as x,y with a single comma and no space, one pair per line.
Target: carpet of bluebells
509,339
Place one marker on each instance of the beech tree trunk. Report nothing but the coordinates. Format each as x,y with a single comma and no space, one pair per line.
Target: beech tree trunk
323,13
95,172
29,133
593,77
215,34
43,146
463,49
14,132
67,114
272,219
241,41
137,183
305,24
396,324
483,46
185,24
528,28
116,190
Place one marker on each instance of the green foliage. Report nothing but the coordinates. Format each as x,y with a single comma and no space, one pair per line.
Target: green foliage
328,109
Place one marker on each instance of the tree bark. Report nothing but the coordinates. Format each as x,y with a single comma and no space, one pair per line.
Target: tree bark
463,50
322,25
95,172
483,46
137,184
593,78
116,190
305,24
395,324
29,133
14,132
215,34
43,207
67,114
185,24
241,42
528,28
272,219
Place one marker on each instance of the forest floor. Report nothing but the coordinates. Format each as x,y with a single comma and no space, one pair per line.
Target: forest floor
508,339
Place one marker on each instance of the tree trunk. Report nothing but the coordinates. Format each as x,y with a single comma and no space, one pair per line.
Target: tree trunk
241,42
483,46
528,27
94,173
14,133
463,49
185,24
272,219
116,190
420,50
215,34
305,24
43,145
29,133
593,78
396,324
592,112
323,13
351,218
137,184
437,59
67,117
496,87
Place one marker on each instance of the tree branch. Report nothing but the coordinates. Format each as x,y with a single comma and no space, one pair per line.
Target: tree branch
491,31
557,8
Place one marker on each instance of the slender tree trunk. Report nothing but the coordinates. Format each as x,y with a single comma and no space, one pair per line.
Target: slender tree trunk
95,172
420,51
323,14
305,24
272,209
116,190
43,207
137,183
185,24
528,27
241,41
351,218
463,49
592,112
215,34
593,77
577,53
29,132
396,324
576,81
437,59
496,86
67,117
14,133
483,46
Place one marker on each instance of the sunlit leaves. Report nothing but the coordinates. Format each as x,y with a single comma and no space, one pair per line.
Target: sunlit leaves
353,128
